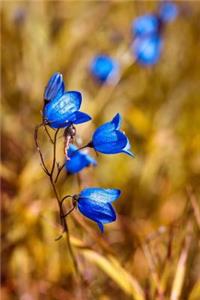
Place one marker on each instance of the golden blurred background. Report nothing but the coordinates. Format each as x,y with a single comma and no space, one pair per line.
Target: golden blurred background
152,250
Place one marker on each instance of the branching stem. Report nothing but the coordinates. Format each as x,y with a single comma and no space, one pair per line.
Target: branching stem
50,174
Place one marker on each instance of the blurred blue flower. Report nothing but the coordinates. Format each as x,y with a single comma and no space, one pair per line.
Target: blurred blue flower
168,11
104,68
79,160
62,108
145,25
147,50
95,204
55,87
109,139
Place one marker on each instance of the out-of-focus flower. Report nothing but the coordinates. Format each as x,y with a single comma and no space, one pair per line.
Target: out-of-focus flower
55,87
168,11
95,204
109,139
147,32
145,25
104,69
147,50
62,108
79,159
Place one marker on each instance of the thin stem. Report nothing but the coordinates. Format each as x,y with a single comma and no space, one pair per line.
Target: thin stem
47,131
69,211
38,148
83,147
50,175
54,153
59,170
67,196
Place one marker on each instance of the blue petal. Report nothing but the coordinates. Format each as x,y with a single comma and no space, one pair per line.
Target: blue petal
145,25
168,11
100,226
117,121
108,141
100,195
72,148
98,212
147,50
127,149
78,160
55,87
58,112
80,117
104,67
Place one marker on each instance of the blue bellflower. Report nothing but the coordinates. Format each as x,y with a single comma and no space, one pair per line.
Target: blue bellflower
145,25
104,68
168,11
95,204
79,160
147,44
62,108
108,139
148,49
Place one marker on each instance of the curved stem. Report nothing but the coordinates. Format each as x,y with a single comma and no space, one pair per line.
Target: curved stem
54,152
50,175
38,148
47,132
69,211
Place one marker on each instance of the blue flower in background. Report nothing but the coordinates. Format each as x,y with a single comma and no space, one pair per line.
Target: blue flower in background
62,108
145,25
55,87
168,11
104,68
109,139
147,32
147,50
79,160
95,204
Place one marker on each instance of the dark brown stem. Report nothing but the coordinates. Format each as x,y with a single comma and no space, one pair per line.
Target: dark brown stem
50,175
54,153
69,211
38,148
59,170
47,132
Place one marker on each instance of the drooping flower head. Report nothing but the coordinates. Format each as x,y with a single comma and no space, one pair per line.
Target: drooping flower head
95,204
62,108
78,160
104,68
108,139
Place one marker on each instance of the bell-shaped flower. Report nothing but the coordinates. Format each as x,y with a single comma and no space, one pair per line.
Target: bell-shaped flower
104,69
78,160
146,25
147,49
63,111
55,87
108,139
95,204
168,11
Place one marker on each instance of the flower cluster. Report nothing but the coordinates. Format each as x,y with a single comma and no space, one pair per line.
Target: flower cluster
147,33
61,110
147,45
